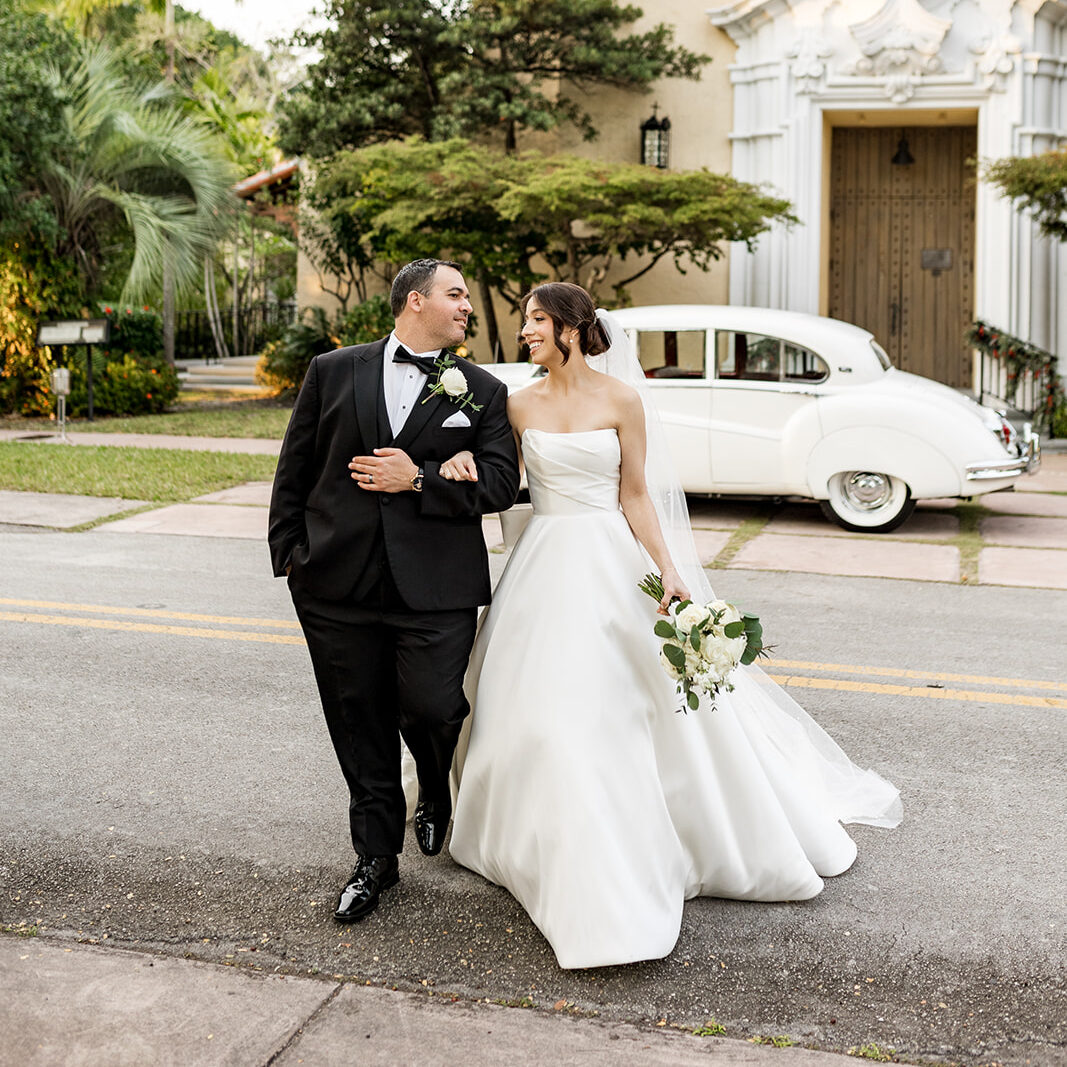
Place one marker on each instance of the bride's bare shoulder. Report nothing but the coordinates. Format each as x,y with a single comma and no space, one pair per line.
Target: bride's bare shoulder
521,400
624,396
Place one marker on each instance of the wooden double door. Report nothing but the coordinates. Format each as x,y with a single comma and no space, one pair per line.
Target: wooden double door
902,242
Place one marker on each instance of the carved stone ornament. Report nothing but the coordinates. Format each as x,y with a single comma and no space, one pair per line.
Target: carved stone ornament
996,59
808,54
900,43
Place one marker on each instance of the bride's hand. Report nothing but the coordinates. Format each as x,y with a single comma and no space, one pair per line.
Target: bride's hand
673,589
460,468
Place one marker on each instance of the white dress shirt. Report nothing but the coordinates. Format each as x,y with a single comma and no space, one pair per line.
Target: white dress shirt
403,383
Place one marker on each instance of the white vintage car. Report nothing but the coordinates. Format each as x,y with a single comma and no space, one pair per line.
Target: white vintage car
779,403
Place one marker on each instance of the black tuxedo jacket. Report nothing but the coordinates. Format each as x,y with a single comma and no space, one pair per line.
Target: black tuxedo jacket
327,529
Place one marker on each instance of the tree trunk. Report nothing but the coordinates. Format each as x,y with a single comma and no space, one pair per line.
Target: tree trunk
168,265
486,293
168,305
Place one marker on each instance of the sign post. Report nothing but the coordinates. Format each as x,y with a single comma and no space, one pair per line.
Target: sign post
86,332
61,387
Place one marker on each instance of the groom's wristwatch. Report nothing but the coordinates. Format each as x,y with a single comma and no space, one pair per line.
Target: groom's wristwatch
416,480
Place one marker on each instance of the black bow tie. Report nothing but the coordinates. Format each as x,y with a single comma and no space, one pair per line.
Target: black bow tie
427,364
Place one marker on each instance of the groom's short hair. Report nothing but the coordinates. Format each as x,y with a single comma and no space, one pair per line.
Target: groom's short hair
415,277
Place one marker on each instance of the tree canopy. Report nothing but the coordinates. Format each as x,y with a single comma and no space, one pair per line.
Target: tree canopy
1038,184
497,213
392,68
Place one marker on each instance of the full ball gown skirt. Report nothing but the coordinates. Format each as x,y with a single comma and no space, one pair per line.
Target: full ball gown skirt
582,790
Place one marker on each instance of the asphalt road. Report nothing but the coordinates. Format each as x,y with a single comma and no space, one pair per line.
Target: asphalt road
167,783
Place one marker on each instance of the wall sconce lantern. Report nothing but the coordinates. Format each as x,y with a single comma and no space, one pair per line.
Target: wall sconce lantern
656,140
903,157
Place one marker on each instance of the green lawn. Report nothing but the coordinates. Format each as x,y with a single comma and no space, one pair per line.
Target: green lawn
263,418
157,474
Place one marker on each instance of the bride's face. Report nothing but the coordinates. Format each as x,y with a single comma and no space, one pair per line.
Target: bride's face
539,333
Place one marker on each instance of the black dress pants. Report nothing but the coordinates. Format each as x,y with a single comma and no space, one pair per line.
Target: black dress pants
386,672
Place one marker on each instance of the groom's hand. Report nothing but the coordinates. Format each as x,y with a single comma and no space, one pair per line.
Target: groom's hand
389,470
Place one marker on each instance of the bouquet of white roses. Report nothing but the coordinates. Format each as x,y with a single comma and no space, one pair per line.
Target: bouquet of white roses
703,643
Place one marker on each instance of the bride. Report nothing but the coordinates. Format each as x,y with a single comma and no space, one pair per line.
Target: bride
582,790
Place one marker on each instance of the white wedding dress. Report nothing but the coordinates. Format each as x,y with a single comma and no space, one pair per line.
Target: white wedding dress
582,789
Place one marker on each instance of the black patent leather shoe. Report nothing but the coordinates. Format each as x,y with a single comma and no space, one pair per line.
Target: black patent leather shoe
431,823
372,875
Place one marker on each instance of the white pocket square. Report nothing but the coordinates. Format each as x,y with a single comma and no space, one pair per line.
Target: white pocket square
456,419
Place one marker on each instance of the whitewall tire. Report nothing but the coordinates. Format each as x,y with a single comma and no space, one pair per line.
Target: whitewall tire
867,501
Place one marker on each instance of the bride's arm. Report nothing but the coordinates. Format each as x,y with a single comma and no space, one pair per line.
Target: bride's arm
462,466
637,504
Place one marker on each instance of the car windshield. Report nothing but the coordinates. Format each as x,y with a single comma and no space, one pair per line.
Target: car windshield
882,355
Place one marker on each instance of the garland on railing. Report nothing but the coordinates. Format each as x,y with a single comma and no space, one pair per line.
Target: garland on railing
1019,358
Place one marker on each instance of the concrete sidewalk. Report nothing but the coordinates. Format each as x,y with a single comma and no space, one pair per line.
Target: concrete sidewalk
1022,543
73,1004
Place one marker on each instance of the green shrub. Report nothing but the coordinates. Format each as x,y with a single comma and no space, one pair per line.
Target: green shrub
366,322
284,362
134,332
32,287
129,385
1057,426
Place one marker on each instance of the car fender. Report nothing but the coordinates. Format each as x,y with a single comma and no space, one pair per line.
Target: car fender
888,450
800,436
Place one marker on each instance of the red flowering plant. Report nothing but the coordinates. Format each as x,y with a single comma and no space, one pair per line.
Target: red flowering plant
130,375
1019,359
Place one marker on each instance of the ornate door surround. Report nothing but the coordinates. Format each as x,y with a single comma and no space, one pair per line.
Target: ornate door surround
803,67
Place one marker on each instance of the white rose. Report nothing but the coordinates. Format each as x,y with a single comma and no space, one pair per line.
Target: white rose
725,657
729,612
690,616
453,382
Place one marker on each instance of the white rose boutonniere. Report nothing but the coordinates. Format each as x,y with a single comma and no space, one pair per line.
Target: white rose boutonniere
452,382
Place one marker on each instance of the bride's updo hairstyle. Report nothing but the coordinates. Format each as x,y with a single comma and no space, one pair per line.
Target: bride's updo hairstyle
569,307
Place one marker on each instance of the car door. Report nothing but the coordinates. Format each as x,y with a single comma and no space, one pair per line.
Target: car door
764,419
676,365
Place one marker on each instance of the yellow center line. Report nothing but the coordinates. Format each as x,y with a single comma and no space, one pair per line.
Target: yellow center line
153,613
803,682
796,681
893,672
151,628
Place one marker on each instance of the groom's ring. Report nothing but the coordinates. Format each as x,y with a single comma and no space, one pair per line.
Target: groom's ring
370,479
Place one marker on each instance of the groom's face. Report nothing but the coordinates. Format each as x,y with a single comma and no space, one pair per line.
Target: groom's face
443,312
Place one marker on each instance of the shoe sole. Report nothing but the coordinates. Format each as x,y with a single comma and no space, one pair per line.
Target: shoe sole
371,905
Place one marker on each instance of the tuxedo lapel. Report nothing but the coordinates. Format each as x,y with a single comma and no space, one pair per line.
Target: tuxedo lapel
366,390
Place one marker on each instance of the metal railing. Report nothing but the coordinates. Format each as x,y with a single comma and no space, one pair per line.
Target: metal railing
257,324
1023,391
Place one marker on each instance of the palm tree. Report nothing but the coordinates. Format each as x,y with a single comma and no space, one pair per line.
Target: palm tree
142,164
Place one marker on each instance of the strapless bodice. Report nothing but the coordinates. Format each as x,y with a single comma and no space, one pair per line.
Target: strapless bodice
572,473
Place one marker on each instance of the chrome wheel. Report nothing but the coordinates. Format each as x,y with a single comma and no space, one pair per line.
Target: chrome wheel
867,501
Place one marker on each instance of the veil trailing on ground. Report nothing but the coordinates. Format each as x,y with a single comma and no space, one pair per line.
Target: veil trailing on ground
857,795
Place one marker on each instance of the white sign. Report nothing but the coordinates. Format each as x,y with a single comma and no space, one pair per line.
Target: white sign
74,332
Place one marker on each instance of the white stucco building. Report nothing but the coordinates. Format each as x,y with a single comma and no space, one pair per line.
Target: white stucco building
824,94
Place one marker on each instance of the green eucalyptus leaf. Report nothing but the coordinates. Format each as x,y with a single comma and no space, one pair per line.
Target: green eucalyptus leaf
733,629
675,656
693,701
664,629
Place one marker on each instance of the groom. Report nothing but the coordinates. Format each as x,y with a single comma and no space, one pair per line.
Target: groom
385,557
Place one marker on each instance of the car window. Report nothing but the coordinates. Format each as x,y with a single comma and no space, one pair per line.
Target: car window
671,353
759,358
802,365
882,355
